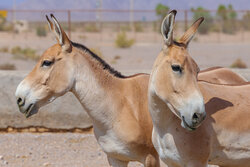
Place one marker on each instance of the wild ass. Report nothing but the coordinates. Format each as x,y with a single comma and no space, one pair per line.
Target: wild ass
117,104
177,104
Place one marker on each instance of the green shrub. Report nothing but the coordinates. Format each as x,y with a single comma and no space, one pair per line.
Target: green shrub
238,63
41,31
91,28
122,41
7,66
26,53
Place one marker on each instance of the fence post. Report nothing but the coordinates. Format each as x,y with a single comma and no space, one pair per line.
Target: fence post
69,24
186,19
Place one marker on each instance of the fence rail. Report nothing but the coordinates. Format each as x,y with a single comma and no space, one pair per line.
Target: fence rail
136,21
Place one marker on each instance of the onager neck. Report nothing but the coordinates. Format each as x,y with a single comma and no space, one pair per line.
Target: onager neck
95,88
161,114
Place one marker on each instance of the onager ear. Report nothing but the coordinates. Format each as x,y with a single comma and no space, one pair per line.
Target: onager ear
61,36
189,34
167,26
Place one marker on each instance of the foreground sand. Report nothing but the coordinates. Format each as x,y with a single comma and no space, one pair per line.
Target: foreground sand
52,150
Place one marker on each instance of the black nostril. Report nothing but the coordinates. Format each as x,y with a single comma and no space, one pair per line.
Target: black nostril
195,116
20,101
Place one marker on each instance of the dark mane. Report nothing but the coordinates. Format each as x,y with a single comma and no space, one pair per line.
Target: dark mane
105,65
180,44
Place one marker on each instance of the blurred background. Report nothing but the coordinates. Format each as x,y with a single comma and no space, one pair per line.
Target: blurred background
126,34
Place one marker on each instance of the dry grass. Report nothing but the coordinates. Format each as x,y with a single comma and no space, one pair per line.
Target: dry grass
238,63
7,66
122,41
4,49
26,53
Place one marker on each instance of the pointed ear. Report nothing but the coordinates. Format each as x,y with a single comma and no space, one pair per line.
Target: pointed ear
61,36
189,34
167,27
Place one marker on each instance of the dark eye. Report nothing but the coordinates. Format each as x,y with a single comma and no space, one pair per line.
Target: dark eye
176,68
47,63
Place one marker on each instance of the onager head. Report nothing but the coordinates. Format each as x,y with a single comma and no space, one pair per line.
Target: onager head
174,76
52,76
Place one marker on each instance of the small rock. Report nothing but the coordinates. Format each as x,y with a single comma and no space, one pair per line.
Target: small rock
1,157
5,162
46,164
17,156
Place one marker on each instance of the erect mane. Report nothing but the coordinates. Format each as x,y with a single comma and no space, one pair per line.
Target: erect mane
105,65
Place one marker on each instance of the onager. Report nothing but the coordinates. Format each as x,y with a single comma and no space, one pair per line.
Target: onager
177,104
116,104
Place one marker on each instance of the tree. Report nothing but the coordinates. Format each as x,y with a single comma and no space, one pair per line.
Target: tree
246,21
161,10
227,16
206,26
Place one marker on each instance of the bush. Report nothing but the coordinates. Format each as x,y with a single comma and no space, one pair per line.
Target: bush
26,53
91,28
208,22
4,49
7,66
41,31
238,63
138,27
122,41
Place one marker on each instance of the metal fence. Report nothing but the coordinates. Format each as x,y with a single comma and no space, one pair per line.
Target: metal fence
137,23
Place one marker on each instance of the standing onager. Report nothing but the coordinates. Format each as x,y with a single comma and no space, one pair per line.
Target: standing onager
116,104
175,101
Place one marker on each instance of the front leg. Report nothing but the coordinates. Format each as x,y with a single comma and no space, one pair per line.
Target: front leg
117,163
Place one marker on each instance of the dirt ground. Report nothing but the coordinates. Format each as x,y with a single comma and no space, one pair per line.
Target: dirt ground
53,150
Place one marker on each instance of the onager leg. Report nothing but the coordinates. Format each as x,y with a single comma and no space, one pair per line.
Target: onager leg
152,161
117,163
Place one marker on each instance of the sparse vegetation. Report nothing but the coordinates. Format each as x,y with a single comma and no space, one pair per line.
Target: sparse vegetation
122,41
238,63
7,66
41,31
26,53
4,49
138,27
206,26
91,28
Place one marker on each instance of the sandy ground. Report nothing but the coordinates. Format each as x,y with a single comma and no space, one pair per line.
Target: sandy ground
53,150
